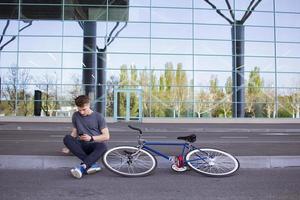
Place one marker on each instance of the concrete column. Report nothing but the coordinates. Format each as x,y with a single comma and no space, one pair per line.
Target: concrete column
101,81
89,58
238,88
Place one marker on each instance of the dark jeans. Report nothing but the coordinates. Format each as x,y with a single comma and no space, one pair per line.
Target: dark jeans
88,152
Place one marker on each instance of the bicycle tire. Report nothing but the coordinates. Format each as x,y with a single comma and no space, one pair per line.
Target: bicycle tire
122,161
212,162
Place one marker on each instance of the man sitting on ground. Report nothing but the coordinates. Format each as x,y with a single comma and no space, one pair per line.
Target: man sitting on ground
87,137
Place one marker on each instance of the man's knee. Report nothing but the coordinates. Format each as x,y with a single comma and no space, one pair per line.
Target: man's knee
67,139
101,147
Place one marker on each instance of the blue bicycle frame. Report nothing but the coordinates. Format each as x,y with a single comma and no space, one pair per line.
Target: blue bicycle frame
185,146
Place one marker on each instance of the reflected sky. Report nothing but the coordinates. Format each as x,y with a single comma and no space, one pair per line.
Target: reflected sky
198,38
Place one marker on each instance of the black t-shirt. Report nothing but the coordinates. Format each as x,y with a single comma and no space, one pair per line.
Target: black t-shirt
91,124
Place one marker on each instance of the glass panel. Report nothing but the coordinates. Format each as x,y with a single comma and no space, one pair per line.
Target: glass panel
73,44
131,30
264,64
266,79
288,80
207,78
208,17
85,12
289,100
129,45
171,15
115,61
12,27
139,14
11,45
212,32
47,80
171,30
139,3
162,61
288,65
287,35
40,60
259,49
42,2
218,4
288,19
213,63
8,59
70,92
72,76
266,5
9,11
72,28
72,60
40,44
259,33
41,12
172,3
260,19
288,50
213,47
287,5
171,46
42,28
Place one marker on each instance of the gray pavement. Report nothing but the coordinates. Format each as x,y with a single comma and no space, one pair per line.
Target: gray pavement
37,144
263,184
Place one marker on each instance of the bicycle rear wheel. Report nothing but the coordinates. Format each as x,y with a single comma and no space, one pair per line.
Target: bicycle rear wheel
129,161
212,162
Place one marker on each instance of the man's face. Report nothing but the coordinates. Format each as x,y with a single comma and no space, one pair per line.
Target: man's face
84,110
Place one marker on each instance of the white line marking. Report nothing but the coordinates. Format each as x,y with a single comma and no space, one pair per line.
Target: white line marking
56,136
276,134
234,137
155,137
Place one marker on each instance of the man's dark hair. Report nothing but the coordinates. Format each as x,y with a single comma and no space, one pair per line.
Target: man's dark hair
81,100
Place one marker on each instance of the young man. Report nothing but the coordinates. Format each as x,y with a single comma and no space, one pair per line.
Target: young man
87,137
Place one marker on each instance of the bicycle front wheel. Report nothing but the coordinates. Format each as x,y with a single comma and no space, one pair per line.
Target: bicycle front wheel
129,161
212,162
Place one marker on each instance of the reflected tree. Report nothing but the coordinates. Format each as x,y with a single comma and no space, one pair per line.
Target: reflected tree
3,44
237,37
15,91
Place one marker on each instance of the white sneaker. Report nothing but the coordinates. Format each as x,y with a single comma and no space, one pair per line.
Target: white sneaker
94,168
77,172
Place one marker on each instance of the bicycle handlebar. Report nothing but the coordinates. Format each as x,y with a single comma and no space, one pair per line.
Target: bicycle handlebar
135,128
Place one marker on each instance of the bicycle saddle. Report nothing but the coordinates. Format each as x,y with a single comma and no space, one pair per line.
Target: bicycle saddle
190,138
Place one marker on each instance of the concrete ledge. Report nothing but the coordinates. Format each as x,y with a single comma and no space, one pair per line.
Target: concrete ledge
54,162
159,120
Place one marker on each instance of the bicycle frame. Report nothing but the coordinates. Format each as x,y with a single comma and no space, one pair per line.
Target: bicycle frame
185,146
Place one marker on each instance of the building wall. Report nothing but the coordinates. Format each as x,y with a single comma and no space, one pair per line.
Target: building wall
179,53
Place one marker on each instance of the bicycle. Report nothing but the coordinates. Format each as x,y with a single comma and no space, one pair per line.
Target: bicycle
131,161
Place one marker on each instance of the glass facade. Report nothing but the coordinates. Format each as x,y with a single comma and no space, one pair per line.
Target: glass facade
151,58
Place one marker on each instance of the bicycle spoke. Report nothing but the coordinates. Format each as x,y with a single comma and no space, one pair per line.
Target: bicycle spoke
212,162
129,161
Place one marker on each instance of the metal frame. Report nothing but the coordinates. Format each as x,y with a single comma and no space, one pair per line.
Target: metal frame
128,92
184,147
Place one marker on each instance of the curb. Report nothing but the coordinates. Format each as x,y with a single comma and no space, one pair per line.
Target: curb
150,120
54,162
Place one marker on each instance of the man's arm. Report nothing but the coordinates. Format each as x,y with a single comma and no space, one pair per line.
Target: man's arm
103,137
74,132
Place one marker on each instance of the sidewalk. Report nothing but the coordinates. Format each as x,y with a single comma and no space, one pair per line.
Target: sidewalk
267,131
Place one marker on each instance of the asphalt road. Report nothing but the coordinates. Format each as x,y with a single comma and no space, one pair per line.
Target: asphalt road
271,184
238,139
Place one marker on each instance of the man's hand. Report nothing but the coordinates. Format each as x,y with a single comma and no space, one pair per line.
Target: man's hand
85,137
